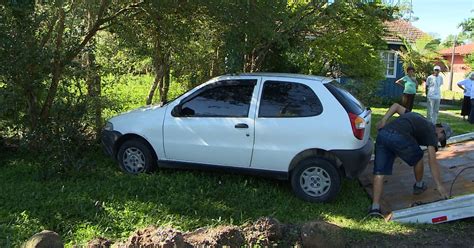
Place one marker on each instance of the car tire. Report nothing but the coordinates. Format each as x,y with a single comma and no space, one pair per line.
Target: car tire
316,180
135,156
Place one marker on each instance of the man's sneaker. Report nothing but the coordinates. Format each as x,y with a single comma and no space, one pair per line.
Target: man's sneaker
375,212
418,190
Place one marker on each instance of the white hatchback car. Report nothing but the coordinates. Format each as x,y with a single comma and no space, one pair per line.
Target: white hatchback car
289,126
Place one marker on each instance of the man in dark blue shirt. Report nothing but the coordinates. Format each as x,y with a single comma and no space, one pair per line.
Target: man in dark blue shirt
403,137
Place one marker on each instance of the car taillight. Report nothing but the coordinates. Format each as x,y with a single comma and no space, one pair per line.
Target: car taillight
358,125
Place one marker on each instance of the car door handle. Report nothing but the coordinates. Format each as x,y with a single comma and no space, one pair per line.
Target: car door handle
241,125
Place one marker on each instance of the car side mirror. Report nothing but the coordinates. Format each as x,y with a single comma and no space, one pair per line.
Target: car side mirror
176,110
187,112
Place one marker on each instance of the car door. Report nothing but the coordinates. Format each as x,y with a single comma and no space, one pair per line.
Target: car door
215,124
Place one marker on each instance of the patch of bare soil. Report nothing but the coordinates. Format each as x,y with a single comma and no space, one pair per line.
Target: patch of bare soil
99,243
265,232
230,236
152,237
269,232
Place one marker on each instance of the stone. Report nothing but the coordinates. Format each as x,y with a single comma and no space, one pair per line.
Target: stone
322,234
44,239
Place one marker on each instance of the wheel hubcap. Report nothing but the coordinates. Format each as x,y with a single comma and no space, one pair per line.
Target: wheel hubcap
133,160
315,181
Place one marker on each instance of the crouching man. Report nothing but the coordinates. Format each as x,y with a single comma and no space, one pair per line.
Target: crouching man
403,137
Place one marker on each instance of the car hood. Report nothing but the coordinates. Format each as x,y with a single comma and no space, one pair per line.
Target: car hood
139,113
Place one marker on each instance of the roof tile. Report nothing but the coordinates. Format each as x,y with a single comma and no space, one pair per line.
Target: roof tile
398,30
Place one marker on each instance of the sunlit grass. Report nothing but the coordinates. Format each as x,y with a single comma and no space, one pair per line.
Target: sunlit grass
100,200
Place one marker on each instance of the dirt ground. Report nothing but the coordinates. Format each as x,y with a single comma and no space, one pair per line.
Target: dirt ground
269,232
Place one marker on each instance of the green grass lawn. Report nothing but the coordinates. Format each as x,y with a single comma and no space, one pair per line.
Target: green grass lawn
99,200
102,201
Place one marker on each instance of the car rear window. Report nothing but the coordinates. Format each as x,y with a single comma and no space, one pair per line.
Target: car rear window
347,100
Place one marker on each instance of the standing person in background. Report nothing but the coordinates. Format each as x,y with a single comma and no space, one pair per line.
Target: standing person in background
433,93
471,115
409,84
466,85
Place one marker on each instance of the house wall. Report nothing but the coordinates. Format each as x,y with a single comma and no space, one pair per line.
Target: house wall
388,87
457,76
460,68
459,65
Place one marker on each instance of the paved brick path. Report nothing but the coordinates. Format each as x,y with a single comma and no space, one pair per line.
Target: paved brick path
398,187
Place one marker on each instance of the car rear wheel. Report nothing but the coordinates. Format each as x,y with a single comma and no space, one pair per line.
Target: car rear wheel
316,180
135,156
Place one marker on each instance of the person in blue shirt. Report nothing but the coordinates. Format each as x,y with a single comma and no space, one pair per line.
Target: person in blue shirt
409,84
466,85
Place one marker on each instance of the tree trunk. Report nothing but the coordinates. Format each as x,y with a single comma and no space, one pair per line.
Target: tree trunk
165,85
57,67
32,102
215,63
93,78
159,69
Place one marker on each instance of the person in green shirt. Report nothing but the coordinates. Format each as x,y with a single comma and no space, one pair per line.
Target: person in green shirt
409,84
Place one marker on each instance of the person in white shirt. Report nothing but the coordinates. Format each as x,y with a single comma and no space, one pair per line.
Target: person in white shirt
433,93
466,85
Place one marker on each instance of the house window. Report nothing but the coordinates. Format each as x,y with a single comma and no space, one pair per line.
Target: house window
389,58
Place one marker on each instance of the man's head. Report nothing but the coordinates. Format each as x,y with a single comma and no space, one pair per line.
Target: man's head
444,132
436,70
471,75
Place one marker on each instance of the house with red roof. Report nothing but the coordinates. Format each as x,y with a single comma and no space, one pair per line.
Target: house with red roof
396,32
460,54
460,68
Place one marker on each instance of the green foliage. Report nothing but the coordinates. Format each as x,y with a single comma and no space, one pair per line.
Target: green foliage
470,60
468,27
422,56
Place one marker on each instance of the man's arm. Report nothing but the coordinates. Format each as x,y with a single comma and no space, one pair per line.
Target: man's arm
461,85
434,167
395,108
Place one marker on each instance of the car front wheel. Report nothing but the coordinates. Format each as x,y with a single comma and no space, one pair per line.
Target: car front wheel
316,180
136,157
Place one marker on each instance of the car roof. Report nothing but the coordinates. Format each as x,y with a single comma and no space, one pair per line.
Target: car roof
284,75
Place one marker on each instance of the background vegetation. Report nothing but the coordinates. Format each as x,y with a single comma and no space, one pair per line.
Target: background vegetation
66,66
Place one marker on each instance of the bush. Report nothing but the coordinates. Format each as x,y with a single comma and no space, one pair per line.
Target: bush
60,143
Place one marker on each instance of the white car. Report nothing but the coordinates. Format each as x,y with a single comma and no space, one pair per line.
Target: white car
289,126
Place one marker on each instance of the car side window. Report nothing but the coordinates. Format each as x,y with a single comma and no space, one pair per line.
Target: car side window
230,98
288,99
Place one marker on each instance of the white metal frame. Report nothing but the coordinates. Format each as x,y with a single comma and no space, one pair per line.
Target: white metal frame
437,212
395,61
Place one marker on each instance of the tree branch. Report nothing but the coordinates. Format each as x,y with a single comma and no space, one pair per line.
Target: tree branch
47,36
96,27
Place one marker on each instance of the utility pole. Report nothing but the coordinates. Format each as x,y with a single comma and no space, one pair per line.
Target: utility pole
452,64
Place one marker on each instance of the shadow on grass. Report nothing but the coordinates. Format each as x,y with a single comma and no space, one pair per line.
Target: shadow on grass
102,201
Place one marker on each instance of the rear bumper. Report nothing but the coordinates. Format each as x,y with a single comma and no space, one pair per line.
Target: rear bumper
108,139
354,162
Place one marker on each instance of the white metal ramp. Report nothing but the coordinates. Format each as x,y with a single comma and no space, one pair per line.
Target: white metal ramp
437,212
